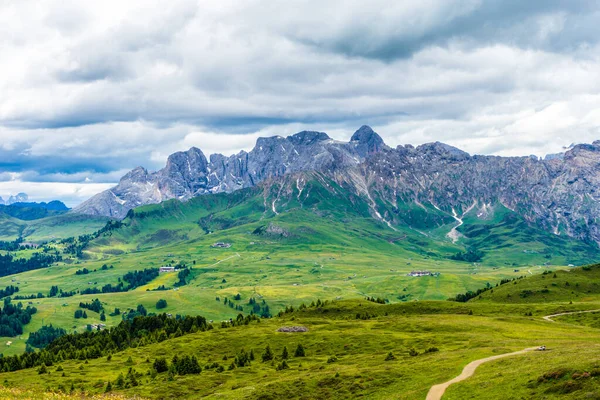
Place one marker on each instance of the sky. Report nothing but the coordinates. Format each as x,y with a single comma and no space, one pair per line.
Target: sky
90,90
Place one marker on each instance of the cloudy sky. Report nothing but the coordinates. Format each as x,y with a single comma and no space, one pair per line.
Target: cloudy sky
89,90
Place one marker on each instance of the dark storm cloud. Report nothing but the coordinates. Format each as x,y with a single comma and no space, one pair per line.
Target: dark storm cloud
527,24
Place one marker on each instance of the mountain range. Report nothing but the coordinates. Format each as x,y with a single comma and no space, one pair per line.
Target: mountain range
19,198
558,193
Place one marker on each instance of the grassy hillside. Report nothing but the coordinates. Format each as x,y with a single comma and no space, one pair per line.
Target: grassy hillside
346,356
570,284
49,228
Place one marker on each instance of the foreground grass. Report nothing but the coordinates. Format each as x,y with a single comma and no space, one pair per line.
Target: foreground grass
346,356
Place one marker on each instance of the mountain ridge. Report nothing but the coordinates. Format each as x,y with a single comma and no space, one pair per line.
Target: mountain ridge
558,193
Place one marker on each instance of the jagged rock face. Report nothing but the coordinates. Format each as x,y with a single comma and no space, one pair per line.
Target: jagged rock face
188,174
560,193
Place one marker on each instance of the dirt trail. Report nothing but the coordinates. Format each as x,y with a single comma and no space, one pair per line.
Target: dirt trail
549,317
437,391
225,259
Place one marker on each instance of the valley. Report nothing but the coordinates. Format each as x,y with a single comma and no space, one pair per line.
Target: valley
390,294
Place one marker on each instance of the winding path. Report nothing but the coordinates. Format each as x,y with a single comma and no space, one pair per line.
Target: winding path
437,391
549,317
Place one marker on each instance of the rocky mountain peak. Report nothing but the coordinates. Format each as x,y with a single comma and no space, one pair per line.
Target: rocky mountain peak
307,137
138,174
443,149
367,141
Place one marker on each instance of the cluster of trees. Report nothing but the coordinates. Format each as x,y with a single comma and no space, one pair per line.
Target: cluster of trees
468,256
83,271
10,265
90,345
268,355
132,278
54,291
162,303
80,314
132,379
182,276
11,245
240,320
8,291
318,305
139,311
182,366
75,246
260,308
378,300
95,305
139,278
13,317
231,304
44,336
464,297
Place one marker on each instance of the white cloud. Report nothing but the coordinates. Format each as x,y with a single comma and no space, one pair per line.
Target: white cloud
92,89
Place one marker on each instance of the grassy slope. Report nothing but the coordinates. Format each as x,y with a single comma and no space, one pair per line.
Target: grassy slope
331,248
360,347
572,284
45,229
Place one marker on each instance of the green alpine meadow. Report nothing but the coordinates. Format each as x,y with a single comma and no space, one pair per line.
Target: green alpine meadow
302,200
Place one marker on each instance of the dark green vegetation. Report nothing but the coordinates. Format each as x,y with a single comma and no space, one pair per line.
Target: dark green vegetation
44,336
33,211
13,317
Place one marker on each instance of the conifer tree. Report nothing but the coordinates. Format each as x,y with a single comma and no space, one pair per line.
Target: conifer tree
285,355
268,354
299,351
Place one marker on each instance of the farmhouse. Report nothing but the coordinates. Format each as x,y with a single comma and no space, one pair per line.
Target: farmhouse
420,273
167,269
221,245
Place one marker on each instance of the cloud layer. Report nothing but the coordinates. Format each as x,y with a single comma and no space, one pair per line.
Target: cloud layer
93,89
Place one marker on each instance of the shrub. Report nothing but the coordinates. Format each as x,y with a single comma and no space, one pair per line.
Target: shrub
160,365
162,303
283,365
390,357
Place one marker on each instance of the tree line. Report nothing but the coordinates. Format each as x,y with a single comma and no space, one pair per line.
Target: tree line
9,264
139,331
13,317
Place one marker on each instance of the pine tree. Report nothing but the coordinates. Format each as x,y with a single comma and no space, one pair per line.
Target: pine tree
285,355
299,351
108,387
268,354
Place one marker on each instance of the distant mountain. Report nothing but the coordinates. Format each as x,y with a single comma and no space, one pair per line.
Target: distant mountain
559,194
31,211
19,198
188,174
